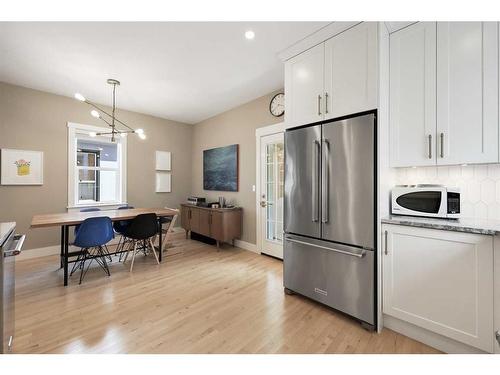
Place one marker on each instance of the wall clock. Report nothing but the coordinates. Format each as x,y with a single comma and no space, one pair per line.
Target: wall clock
277,105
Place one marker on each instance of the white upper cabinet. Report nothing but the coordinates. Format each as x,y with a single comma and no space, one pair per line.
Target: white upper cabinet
335,78
413,95
351,71
441,281
467,92
444,94
304,89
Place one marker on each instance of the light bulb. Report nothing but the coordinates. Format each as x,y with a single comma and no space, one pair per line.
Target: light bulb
92,134
95,113
79,97
249,34
142,136
139,131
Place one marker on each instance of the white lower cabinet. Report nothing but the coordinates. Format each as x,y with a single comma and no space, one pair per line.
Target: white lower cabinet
441,281
497,294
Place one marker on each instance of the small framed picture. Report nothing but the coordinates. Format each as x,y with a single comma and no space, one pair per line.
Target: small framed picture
21,167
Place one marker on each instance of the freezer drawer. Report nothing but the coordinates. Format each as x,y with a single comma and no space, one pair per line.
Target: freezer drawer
339,276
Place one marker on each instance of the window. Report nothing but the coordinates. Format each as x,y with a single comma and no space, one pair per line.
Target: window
96,168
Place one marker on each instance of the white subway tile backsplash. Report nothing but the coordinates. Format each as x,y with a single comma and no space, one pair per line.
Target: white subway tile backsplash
479,185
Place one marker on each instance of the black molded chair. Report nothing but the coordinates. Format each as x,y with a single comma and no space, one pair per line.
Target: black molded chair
119,227
92,237
142,228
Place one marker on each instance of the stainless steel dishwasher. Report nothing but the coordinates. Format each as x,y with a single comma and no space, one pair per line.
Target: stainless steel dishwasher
10,246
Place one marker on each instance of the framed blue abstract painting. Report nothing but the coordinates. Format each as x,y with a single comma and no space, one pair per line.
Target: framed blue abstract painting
220,168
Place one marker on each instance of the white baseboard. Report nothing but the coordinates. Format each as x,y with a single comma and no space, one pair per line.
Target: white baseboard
247,246
54,250
40,252
435,340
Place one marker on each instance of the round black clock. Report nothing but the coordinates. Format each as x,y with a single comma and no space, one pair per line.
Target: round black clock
277,105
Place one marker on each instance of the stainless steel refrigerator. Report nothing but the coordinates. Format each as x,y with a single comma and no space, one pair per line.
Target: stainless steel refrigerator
329,214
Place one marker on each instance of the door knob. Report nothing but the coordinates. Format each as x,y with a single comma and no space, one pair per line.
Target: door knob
265,204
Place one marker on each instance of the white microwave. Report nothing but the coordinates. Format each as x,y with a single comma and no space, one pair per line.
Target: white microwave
426,200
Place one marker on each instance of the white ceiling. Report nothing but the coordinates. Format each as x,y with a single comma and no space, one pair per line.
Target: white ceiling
184,71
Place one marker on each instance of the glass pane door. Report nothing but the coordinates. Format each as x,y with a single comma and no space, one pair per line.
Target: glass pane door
274,176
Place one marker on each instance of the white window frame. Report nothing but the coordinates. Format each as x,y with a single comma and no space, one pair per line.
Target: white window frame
75,129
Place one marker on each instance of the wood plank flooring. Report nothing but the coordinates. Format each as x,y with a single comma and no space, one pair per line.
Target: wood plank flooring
197,301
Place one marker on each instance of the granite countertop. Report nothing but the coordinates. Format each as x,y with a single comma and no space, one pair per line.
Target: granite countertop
5,229
468,225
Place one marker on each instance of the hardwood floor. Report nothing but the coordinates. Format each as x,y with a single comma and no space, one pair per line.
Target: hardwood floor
197,301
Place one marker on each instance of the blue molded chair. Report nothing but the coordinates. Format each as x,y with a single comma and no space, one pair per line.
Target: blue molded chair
92,236
120,227
90,209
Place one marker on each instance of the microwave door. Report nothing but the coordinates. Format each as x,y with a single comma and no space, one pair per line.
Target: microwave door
302,181
429,203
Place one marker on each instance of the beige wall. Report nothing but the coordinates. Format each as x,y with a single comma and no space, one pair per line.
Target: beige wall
35,120
236,126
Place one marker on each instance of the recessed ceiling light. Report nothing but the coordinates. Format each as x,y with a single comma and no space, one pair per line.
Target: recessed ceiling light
249,34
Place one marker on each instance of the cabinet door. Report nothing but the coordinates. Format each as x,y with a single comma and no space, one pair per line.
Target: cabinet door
194,219
441,281
351,71
497,294
304,87
413,95
467,92
216,226
185,216
204,227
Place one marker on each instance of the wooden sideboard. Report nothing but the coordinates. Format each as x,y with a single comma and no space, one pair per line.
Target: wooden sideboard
220,224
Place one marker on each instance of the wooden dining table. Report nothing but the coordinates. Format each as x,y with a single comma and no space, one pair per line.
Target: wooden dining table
70,219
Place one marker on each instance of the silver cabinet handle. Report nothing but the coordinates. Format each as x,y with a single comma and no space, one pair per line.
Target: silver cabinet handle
325,182
326,102
442,144
357,255
319,105
314,182
385,243
497,336
430,145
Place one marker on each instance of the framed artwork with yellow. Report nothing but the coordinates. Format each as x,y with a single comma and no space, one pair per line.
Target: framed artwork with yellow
21,167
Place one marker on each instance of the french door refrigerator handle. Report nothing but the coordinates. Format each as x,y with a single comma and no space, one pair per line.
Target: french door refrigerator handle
315,184
325,185
357,255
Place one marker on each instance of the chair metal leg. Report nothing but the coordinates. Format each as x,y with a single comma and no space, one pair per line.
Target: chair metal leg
78,262
83,271
154,251
106,252
133,256
103,258
126,254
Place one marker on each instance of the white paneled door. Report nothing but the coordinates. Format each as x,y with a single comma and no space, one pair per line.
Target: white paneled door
441,281
272,155
413,95
304,87
351,71
467,92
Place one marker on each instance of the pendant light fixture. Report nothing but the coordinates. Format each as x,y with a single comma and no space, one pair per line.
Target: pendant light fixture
108,118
